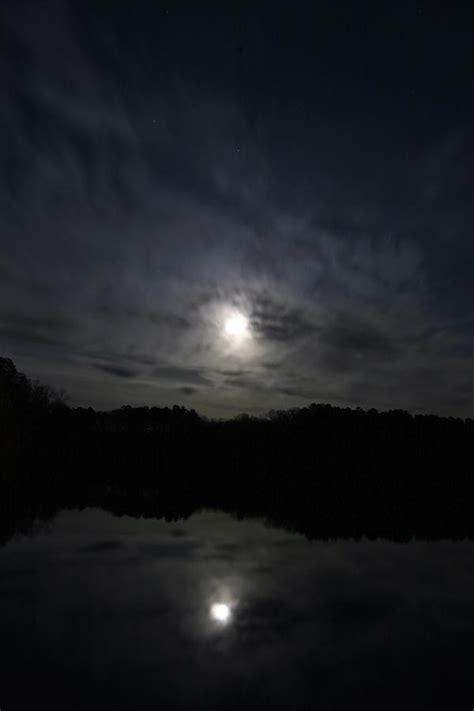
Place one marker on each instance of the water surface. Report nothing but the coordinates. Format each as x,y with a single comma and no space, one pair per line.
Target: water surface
98,611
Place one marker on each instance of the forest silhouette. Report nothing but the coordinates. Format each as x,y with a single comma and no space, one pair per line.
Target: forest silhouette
323,471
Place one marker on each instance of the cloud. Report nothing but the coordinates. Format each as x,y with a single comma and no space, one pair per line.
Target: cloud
180,375
350,344
120,371
278,322
186,390
47,330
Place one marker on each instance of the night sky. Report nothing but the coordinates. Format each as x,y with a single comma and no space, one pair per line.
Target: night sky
305,167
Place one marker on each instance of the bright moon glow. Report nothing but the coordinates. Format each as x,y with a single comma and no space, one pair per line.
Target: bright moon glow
236,325
220,612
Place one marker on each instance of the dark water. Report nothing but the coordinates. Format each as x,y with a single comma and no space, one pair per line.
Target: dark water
104,612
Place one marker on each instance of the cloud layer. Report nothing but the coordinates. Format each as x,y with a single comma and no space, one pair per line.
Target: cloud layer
144,200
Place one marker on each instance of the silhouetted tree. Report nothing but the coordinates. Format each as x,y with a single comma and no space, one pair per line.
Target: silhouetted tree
323,470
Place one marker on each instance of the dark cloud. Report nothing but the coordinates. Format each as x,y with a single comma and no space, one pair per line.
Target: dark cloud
349,345
182,375
348,334
186,390
120,371
244,381
136,359
277,322
237,373
48,330
11,334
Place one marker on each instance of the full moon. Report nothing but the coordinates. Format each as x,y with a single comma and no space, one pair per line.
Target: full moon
236,325
220,612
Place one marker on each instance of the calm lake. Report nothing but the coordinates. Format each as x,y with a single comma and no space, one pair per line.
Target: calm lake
98,611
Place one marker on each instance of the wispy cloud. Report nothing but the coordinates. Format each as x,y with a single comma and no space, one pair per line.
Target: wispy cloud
134,208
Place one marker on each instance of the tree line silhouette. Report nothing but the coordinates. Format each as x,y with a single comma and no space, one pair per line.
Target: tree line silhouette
323,471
